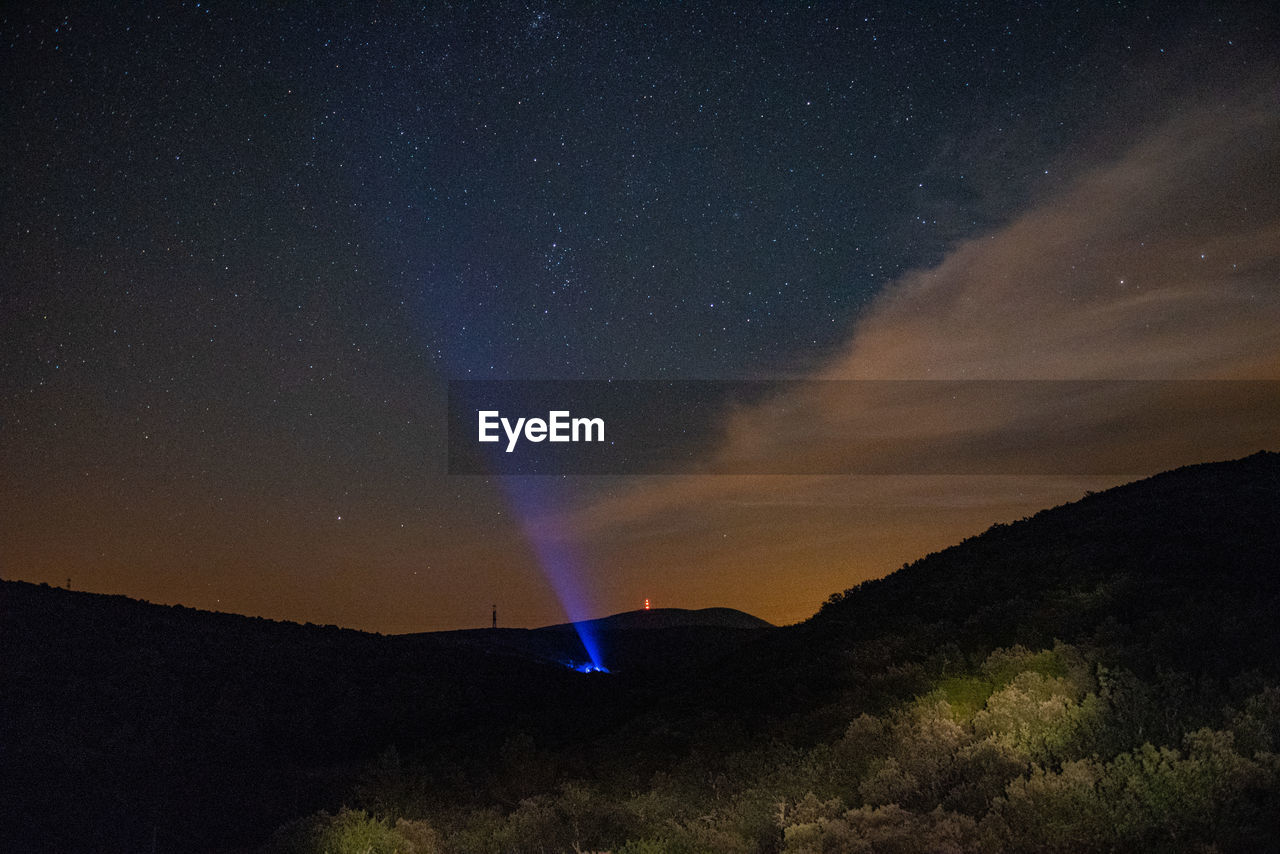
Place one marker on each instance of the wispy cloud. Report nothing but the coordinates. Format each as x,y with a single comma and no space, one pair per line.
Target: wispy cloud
1162,263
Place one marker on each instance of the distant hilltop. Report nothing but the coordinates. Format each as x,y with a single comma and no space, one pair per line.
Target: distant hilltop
643,643
668,618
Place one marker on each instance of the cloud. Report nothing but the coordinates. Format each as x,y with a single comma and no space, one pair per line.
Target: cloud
1160,264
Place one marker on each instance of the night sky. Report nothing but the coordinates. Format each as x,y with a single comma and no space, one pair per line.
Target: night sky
245,247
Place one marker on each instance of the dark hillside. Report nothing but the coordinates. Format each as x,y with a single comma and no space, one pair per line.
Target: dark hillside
124,718
143,719
640,644
1185,564
1180,571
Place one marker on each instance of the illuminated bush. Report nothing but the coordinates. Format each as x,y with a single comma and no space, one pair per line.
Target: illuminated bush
982,772
350,832
888,783
1038,717
865,738
885,830
926,738
1149,799
1257,726
1061,662
653,846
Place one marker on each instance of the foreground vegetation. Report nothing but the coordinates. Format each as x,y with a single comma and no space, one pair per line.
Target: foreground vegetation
1030,751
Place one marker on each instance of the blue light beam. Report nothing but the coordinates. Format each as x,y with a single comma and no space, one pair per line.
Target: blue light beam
559,565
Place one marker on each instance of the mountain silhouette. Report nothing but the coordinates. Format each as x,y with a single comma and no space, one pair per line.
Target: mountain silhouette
127,722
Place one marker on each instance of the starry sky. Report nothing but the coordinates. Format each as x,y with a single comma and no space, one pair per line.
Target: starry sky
246,246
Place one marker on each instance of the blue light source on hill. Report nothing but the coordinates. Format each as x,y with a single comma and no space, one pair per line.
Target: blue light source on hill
588,667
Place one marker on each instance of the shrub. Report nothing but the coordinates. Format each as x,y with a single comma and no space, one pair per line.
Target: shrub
348,832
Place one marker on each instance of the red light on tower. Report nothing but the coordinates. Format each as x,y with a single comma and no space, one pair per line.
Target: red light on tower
646,604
